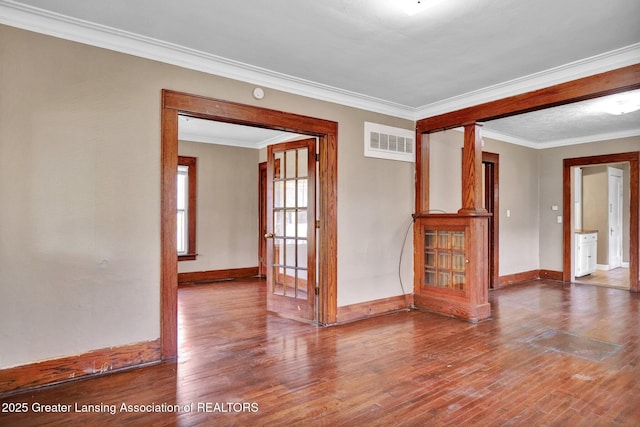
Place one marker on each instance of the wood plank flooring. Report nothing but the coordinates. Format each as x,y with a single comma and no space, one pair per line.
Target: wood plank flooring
239,365
616,278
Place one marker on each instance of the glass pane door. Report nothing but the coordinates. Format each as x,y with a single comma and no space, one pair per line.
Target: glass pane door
291,250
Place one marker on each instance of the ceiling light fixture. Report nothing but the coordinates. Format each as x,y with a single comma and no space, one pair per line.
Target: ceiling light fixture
411,7
618,104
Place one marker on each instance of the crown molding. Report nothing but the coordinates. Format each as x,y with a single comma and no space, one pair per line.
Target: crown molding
41,21
590,138
505,137
53,24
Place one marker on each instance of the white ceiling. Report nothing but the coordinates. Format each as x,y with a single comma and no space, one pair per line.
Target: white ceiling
210,132
367,53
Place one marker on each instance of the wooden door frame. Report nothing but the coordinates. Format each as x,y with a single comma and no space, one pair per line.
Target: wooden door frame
178,103
633,158
492,199
262,217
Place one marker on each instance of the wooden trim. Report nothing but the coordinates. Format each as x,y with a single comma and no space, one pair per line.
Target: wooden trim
607,83
262,218
551,275
93,363
328,242
174,103
211,275
364,310
510,279
243,114
472,171
469,312
422,173
634,217
168,232
492,198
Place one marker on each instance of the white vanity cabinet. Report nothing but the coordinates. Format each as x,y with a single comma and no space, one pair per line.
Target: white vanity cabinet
586,250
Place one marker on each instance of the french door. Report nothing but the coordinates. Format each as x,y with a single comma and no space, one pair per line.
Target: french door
290,234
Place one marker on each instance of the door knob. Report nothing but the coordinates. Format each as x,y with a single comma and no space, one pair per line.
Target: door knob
268,236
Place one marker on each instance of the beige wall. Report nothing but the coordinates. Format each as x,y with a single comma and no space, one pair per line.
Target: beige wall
519,194
80,173
227,207
445,171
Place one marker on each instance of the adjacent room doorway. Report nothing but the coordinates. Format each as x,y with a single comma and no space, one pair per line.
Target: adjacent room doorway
490,164
633,158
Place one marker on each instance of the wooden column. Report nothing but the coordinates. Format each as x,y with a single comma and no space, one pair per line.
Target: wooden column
472,171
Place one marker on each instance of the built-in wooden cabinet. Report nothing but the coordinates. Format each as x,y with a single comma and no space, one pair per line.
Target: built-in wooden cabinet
451,265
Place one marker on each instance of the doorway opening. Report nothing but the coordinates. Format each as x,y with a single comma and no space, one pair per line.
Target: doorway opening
176,104
490,171
569,211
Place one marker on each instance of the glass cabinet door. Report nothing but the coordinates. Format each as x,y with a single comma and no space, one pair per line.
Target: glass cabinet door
444,259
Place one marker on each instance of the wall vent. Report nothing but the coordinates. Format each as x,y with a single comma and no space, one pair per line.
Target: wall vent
386,142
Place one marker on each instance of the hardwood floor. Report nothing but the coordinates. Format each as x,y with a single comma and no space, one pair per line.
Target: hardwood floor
552,354
616,278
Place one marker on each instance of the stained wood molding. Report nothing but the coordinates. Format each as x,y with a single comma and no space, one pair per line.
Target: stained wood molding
93,363
607,83
353,312
551,275
523,276
470,312
211,275
512,279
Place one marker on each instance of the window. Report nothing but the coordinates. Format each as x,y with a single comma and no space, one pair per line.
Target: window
186,199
